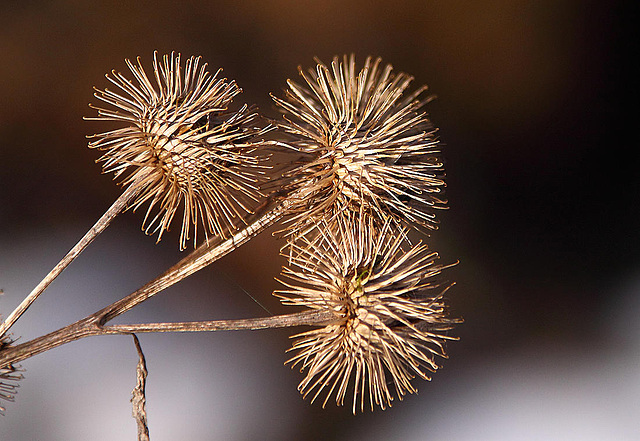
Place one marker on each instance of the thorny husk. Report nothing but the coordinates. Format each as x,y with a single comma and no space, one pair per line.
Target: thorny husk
183,146
369,144
391,320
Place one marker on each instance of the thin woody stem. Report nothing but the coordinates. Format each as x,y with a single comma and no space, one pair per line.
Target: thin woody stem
90,326
118,206
277,321
83,328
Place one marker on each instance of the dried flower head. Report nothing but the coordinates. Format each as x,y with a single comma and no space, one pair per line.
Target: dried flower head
181,145
372,146
391,321
9,375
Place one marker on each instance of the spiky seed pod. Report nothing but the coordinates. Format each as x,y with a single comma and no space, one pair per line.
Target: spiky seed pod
371,144
390,318
9,376
182,146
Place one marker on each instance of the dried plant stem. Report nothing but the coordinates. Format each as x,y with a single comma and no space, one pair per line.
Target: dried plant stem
90,326
118,206
202,256
319,317
138,398
86,327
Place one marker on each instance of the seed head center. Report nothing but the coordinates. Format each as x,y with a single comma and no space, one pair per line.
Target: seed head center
349,169
174,145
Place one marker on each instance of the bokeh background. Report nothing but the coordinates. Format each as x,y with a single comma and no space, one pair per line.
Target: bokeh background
535,108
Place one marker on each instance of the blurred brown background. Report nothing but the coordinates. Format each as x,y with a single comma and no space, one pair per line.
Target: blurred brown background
534,106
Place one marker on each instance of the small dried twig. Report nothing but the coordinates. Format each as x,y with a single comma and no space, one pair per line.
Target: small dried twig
138,399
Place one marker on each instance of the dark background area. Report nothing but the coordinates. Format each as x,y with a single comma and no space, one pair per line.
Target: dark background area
535,110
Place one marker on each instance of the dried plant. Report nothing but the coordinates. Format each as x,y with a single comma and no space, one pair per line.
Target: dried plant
370,144
182,146
371,170
390,319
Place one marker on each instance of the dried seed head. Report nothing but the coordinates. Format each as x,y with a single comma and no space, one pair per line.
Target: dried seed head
391,322
372,146
182,146
9,376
